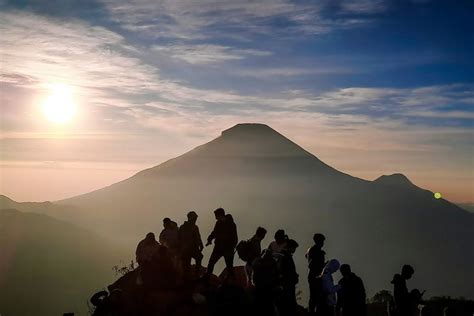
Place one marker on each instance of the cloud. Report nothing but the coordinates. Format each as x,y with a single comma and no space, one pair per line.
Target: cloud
192,20
278,72
202,54
364,6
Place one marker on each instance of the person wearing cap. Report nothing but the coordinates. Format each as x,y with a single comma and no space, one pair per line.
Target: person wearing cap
190,243
225,239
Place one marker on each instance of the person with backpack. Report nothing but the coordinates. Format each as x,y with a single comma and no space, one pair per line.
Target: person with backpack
225,239
401,296
288,280
316,261
190,242
249,250
351,295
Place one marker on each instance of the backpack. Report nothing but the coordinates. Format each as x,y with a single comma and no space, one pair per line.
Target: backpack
243,250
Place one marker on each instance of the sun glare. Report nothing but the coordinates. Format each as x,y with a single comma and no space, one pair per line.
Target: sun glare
59,107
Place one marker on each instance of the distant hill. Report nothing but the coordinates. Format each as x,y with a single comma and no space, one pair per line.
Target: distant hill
48,267
263,178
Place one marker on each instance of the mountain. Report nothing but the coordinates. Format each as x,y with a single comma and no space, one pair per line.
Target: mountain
467,206
48,267
264,179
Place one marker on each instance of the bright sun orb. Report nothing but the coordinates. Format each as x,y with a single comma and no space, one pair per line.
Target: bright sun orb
59,107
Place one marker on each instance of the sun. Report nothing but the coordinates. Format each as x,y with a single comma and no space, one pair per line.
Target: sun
59,106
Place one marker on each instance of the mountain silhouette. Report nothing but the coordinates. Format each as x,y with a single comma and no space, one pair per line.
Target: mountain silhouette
264,179
48,267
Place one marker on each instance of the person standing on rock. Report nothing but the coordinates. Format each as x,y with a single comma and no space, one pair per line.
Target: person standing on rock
190,243
225,239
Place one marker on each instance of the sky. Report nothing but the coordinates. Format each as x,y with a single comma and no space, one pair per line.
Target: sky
369,87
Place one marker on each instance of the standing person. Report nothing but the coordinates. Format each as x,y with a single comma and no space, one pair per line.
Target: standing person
265,278
351,295
190,243
225,236
250,250
288,279
169,235
316,261
279,243
329,289
401,296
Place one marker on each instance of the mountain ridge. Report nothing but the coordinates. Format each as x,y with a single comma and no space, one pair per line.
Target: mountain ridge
49,266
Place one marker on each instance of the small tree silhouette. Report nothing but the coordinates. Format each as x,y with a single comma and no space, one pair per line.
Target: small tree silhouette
122,269
382,296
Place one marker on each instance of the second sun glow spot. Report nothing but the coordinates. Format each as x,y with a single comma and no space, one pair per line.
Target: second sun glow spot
59,106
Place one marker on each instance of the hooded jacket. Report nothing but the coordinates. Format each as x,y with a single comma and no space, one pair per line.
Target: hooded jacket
327,281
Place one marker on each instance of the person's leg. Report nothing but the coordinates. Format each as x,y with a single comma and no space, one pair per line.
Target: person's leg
292,300
215,256
198,258
312,296
185,264
249,273
229,261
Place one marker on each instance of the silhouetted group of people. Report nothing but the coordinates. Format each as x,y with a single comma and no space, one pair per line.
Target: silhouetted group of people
270,272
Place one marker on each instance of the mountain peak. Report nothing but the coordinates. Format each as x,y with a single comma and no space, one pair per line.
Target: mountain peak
254,129
398,179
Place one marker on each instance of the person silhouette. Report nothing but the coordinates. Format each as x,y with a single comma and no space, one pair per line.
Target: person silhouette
146,249
277,245
401,296
328,288
265,278
316,261
288,280
146,252
190,243
225,239
169,235
253,252
351,295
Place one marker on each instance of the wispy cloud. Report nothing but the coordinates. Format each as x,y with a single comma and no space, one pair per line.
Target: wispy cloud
187,19
278,72
207,53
